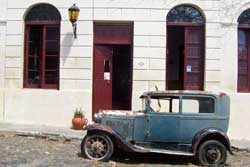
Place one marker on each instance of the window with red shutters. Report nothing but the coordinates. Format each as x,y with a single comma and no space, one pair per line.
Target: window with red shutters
244,52
185,56
243,61
42,47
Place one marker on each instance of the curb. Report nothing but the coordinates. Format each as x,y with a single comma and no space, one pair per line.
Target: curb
44,135
237,149
49,136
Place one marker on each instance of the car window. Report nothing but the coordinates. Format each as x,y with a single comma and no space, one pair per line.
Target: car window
144,101
193,104
164,104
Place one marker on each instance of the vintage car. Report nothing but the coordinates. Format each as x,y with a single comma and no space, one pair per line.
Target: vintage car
190,123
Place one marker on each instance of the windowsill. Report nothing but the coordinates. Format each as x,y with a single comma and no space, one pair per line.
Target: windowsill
40,89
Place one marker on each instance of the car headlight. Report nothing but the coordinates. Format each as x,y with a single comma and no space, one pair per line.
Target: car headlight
98,117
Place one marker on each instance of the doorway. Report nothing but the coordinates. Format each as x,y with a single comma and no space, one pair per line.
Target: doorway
121,77
175,57
112,78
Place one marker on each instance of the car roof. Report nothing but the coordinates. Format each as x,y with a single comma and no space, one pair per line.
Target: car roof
182,92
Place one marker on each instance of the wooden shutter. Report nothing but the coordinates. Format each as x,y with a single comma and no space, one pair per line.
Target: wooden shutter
194,58
51,56
33,56
243,61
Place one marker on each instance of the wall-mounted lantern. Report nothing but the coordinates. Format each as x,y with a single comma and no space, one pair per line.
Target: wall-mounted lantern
73,16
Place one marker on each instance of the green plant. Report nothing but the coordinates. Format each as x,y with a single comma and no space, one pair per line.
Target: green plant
78,112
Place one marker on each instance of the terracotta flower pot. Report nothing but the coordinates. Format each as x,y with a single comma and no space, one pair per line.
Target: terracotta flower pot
79,123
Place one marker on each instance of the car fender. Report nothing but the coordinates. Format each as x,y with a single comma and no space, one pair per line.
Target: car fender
211,134
117,139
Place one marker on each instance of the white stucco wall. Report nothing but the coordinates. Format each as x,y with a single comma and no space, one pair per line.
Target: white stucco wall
42,106
2,58
240,113
55,107
3,5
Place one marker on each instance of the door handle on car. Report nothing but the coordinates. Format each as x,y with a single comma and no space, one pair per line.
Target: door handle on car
148,134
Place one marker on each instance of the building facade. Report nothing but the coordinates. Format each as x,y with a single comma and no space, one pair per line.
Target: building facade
122,49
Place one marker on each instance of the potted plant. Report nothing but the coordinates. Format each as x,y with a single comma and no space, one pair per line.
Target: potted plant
79,121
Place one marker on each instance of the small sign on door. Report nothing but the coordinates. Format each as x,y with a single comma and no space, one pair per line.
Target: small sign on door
189,68
106,75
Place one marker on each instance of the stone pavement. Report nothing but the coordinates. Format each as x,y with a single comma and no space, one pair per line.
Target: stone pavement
18,151
60,147
64,133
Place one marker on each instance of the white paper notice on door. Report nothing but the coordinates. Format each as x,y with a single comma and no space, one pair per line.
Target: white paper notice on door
106,75
189,68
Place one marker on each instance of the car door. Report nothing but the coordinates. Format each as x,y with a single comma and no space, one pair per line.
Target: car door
198,112
163,121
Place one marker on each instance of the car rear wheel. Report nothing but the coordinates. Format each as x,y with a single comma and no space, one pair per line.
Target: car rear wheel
97,147
212,153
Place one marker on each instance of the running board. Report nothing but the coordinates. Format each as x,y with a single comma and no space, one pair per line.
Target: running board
170,152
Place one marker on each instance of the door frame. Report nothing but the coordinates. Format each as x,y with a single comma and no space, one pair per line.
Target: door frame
131,43
183,24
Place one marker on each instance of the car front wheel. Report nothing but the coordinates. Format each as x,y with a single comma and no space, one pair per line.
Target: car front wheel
212,153
97,147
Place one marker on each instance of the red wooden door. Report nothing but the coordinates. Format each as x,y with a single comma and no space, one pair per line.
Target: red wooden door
194,58
102,86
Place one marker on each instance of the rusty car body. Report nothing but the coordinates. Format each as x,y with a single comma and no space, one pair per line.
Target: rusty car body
190,123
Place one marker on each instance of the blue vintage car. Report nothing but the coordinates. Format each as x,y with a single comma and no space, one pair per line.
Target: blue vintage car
190,123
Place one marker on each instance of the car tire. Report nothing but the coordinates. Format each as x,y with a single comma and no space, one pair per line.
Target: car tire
212,153
97,147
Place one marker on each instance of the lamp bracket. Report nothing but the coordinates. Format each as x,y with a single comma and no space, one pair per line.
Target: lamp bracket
74,25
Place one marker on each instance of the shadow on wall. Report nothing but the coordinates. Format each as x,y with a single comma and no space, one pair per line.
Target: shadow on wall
66,46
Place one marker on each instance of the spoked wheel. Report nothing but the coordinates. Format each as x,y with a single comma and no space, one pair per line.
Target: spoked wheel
97,147
212,153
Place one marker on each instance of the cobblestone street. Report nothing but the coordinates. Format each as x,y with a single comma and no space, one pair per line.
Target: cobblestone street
18,151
